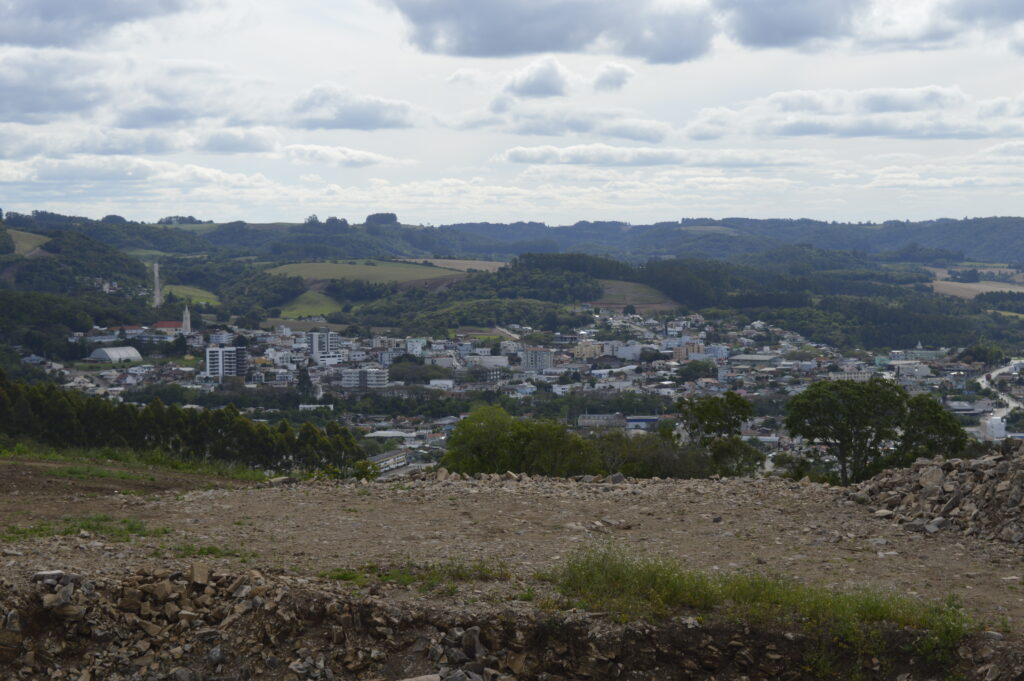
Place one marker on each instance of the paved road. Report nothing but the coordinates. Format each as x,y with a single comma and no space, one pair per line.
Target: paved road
1011,402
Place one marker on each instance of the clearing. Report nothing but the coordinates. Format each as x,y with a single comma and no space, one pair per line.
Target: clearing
618,294
461,265
374,271
310,304
193,293
763,526
26,242
961,289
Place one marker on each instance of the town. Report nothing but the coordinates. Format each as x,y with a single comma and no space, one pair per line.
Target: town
666,358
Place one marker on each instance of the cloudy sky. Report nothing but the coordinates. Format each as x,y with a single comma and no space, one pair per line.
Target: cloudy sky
551,110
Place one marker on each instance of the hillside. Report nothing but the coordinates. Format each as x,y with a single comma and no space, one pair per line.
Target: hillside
347,569
991,239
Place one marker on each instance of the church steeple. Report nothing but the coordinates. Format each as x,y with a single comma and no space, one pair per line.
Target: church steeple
186,321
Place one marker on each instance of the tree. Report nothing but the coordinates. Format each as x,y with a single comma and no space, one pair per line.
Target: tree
852,419
929,430
304,383
691,371
711,418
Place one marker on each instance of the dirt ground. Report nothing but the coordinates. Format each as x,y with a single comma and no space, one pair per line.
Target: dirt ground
808,532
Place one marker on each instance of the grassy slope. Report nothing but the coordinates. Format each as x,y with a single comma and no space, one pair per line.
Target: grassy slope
193,293
310,303
620,293
379,273
26,242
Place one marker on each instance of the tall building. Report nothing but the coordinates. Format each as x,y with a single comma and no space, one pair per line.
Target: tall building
224,361
537,359
323,342
186,321
364,378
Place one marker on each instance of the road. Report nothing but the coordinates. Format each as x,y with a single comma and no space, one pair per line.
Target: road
1012,403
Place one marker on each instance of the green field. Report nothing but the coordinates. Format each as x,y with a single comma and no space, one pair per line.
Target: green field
26,242
622,293
377,273
309,304
195,294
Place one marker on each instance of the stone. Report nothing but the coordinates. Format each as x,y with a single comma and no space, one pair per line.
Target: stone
181,674
883,513
471,644
199,573
616,478
216,655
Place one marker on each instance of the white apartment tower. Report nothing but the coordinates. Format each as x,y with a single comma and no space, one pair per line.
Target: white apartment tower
224,361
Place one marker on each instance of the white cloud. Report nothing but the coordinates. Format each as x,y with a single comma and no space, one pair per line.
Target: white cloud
545,77
607,155
238,141
41,86
331,107
612,76
62,22
929,112
647,29
342,156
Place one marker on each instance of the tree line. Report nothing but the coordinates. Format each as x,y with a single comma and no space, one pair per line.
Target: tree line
852,431
63,418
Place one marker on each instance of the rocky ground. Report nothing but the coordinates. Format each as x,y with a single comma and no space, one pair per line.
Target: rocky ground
263,545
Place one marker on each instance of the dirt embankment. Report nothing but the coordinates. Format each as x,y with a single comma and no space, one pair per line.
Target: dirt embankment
136,610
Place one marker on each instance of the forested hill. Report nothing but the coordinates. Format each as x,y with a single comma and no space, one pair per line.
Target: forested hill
993,239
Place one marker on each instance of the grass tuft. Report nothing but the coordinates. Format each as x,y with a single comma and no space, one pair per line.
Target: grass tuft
94,473
608,578
134,458
101,524
429,577
192,551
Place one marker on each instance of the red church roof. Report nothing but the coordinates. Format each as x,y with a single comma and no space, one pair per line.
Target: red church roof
167,325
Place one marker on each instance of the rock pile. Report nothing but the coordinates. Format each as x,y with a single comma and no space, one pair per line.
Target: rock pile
978,497
201,625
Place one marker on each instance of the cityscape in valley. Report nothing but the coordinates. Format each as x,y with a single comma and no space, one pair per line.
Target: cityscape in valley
511,340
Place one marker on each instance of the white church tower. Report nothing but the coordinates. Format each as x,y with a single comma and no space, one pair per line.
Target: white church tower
186,322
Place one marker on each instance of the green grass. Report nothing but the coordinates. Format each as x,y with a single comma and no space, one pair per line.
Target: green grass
620,293
193,551
94,473
26,242
193,293
309,304
379,272
150,459
429,577
612,579
115,530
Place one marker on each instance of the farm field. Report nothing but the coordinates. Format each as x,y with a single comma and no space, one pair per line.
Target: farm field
193,293
309,304
643,297
379,272
462,265
26,242
971,289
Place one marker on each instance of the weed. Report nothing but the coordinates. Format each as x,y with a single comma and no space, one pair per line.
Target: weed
115,530
429,577
191,551
94,473
611,579
528,594
130,457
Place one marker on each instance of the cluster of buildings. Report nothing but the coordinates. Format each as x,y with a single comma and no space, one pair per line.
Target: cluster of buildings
684,357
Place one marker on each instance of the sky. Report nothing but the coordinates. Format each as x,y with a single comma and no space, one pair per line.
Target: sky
449,111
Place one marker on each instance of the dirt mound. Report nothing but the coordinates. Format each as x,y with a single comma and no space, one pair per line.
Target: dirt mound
159,624
977,497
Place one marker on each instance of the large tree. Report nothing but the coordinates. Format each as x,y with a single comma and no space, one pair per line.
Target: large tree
852,419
